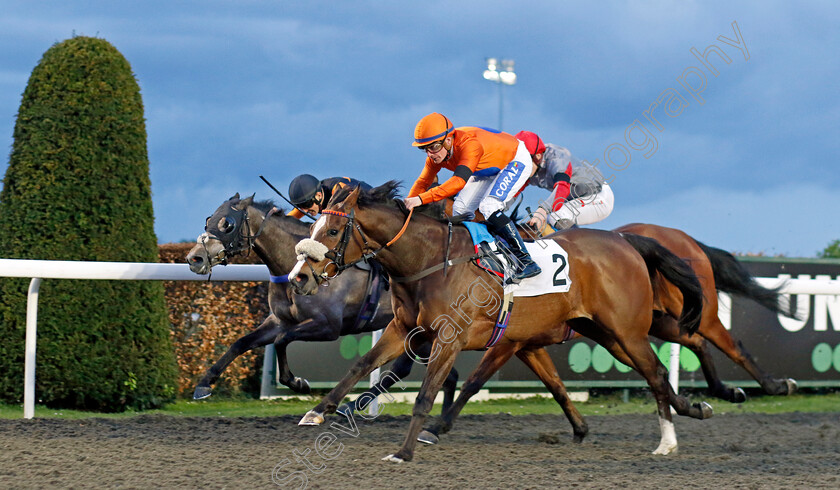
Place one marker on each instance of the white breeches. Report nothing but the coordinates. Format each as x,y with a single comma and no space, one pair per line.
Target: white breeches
584,210
490,193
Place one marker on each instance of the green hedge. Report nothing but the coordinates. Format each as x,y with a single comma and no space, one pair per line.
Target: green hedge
77,188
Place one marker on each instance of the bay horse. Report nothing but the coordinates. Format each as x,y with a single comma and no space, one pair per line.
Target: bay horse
716,269
610,299
241,225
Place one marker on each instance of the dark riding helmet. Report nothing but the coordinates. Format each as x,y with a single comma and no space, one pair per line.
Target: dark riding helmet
302,190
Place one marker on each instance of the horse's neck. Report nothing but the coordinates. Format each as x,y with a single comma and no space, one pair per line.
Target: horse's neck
276,243
422,245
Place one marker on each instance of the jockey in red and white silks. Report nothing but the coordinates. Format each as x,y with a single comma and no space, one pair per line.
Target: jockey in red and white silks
579,193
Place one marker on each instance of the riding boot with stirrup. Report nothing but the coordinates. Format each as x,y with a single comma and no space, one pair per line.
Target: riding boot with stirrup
502,226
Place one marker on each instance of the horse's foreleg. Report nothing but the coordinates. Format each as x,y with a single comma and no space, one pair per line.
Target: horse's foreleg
436,374
493,359
400,369
541,364
389,346
311,330
263,335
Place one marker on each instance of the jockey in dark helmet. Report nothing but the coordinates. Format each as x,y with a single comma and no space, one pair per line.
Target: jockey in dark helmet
312,195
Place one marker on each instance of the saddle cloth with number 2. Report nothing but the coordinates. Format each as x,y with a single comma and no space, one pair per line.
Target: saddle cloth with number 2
548,254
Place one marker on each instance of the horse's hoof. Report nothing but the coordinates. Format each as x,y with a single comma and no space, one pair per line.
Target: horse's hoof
666,449
346,410
393,459
301,386
427,437
706,410
312,418
738,395
202,392
791,386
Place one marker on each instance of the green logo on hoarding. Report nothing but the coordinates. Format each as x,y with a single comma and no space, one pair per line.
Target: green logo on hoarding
351,347
582,357
822,359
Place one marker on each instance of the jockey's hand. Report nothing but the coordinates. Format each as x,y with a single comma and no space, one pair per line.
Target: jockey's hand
537,220
412,202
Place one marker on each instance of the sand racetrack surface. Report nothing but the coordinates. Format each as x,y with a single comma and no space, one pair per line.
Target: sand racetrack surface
793,450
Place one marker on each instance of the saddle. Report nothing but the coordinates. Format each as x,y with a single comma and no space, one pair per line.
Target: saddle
494,256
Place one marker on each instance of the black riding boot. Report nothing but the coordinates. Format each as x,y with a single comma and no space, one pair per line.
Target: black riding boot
502,226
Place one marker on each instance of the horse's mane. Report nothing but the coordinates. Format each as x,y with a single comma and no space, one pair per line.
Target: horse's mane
266,205
388,194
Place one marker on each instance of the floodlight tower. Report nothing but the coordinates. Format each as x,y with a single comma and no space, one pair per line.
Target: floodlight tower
502,74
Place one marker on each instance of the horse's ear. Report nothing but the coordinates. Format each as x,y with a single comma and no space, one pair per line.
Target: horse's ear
235,196
247,201
352,199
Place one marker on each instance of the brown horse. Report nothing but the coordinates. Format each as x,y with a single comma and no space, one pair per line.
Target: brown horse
610,298
715,268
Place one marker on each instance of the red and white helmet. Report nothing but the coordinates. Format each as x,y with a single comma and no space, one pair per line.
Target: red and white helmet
533,143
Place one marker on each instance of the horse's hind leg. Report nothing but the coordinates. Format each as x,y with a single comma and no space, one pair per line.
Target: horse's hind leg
682,405
720,337
666,328
263,335
646,363
541,364
493,359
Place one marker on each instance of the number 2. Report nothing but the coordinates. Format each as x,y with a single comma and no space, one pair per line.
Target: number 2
555,280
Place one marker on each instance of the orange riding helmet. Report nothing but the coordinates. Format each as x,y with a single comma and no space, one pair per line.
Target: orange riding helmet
433,127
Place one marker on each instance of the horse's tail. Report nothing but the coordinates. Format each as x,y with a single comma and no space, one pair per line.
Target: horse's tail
677,272
732,277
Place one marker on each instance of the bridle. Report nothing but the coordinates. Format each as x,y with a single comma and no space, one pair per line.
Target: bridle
336,255
230,234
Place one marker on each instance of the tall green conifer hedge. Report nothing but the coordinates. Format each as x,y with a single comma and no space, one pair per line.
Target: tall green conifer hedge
77,188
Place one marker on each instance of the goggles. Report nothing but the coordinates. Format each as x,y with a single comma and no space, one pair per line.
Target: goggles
433,147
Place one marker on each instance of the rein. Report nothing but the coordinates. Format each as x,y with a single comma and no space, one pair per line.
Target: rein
337,255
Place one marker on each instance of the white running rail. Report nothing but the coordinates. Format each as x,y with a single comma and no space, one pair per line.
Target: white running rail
63,269
138,271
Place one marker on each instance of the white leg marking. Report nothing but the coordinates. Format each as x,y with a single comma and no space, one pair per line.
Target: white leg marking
668,443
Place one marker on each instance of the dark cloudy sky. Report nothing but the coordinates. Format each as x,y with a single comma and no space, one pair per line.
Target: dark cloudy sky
234,90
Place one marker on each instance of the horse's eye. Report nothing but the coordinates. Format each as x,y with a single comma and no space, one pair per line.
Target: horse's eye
332,232
226,224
